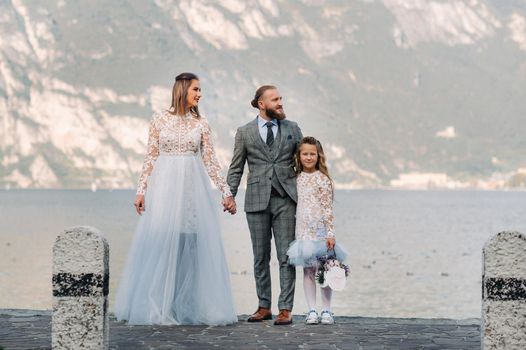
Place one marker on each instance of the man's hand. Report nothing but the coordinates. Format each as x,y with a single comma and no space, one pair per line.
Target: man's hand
229,204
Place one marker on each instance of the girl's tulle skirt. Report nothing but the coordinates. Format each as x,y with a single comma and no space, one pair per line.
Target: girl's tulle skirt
304,252
176,271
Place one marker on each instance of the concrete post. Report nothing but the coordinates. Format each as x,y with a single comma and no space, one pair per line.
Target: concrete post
80,290
504,292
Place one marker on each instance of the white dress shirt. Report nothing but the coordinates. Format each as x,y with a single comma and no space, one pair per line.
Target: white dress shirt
263,128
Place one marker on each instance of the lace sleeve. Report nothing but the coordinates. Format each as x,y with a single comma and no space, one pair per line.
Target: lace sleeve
151,156
209,159
326,193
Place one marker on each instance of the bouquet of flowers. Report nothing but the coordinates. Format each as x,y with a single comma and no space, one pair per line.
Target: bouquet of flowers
332,272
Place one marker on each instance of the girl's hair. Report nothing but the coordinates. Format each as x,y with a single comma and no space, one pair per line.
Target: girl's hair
259,92
179,94
321,163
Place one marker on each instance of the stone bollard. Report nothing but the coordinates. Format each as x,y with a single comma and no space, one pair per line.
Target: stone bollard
504,292
80,290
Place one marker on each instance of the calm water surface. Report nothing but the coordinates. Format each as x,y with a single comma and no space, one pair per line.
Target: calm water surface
413,254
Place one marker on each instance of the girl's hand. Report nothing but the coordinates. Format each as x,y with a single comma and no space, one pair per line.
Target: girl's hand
330,243
139,204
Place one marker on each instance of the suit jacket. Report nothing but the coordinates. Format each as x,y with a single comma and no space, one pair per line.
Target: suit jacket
262,163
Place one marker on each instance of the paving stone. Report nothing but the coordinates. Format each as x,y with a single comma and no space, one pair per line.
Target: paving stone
21,329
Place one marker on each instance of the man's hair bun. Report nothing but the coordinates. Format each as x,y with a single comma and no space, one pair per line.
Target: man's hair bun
259,92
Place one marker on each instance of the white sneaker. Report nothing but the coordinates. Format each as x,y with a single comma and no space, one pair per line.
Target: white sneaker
312,317
326,317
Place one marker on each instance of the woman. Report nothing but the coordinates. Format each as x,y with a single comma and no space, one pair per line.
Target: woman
176,272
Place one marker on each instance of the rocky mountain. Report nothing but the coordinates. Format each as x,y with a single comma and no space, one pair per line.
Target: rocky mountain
389,87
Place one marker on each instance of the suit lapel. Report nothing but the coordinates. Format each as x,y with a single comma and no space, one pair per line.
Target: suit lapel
283,131
256,138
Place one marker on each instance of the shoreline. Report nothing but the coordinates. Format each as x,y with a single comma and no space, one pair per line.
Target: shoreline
438,320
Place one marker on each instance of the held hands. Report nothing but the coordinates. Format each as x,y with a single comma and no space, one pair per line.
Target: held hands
229,204
139,204
331,242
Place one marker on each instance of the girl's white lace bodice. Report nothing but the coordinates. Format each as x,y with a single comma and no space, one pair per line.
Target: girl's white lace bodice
181,135
314,218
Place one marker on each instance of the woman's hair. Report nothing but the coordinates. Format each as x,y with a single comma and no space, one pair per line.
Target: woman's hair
259,92
321,163
179,94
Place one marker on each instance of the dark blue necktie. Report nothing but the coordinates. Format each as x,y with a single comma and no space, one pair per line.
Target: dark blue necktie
270,134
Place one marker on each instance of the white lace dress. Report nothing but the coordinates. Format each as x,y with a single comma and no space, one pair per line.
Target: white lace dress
314,220
176,271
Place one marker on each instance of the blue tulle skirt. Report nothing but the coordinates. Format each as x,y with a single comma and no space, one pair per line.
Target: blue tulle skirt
304,252
176,271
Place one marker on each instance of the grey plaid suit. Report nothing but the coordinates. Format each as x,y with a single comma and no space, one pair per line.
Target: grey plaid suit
267,213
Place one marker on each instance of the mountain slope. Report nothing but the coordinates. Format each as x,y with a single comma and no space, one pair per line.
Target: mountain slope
389,86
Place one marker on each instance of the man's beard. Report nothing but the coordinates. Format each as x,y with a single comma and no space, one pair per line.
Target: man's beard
274,114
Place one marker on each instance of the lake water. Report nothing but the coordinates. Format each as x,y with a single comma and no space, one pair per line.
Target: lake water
412,253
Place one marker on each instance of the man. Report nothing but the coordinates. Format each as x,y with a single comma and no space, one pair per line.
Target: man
268,144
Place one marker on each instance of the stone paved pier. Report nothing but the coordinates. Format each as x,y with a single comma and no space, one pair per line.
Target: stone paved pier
26,329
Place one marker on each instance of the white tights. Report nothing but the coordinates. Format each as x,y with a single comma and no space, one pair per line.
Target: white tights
309,286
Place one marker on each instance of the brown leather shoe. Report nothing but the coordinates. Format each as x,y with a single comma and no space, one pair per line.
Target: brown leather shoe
260,315
284,318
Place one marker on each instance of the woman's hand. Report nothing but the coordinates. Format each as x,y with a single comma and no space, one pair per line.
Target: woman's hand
139,204
229,204
331,242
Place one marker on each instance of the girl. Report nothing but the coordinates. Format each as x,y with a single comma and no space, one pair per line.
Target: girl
314,224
